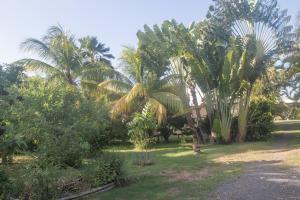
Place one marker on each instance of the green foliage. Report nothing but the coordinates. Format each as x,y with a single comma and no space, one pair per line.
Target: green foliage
52,113
140,129
118,131
42,181
5,184
260,122
64,151
9,143
105,169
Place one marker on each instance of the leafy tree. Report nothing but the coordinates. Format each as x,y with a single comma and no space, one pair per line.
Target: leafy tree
50,114
169,38
10,75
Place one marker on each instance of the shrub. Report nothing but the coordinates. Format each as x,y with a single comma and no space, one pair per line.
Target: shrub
57,118
118,131
41,180
65,150
106,169
140,128
260,121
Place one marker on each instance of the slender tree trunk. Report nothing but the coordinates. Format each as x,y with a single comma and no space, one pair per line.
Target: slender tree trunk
197,111
196,139
190,121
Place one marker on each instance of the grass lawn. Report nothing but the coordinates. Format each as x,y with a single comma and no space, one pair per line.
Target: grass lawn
179,174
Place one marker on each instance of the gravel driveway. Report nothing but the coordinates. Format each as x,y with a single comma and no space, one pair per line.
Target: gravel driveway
262,180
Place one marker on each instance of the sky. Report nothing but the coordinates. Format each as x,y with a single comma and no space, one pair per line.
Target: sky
114,22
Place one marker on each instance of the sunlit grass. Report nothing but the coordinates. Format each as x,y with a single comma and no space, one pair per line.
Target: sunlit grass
222,161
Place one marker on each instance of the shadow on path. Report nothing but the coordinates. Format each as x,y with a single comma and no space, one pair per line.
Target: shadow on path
263,180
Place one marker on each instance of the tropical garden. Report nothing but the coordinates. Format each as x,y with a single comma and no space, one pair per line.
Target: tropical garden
71,122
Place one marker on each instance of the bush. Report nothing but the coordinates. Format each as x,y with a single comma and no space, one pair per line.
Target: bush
57,118
42,181
106,169
260,119
140,128
65,150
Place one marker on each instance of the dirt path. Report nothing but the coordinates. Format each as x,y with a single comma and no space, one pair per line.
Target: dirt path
264,178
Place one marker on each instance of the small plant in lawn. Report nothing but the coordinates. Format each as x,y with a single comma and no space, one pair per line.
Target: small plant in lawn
139,133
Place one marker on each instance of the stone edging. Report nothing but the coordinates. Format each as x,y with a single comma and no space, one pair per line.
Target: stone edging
86,193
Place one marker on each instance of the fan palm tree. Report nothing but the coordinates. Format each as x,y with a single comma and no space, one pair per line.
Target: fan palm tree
269,29
291,89
142,87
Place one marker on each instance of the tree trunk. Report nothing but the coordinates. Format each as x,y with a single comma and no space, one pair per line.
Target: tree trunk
197,111
196,139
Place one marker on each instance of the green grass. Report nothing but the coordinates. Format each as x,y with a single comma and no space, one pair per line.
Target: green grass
177,158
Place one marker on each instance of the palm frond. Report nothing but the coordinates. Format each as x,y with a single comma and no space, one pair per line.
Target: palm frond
115,85
121,106
136,91
158,109
171,101
36,46
37,65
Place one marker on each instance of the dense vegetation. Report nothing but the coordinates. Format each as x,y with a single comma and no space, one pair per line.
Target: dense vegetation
76,104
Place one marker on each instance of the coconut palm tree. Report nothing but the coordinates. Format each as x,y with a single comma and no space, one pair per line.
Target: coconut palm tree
94,51
142,87
60,58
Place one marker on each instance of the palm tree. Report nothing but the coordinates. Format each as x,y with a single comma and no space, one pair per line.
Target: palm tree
142,87
94,51
163,42
291,89
269,29
59,56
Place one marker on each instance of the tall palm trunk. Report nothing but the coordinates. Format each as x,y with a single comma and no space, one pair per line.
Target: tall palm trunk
185,98
197,111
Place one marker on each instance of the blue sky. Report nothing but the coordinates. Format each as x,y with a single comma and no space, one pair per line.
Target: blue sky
114,22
